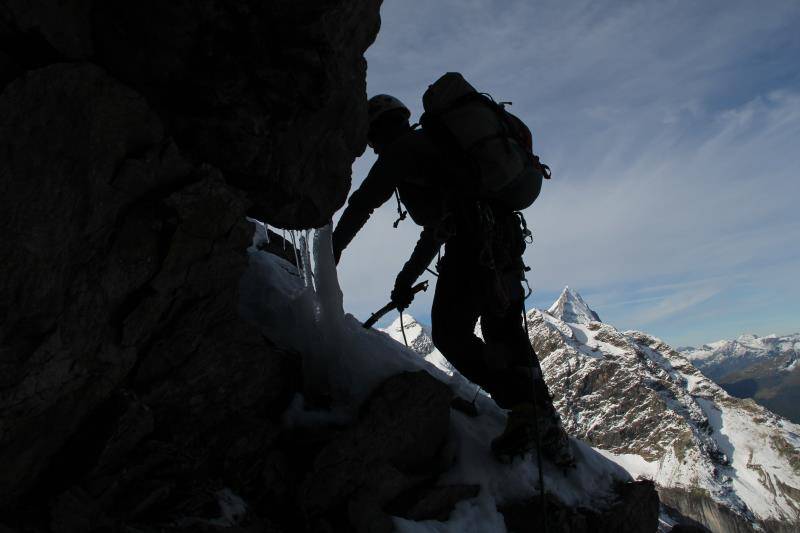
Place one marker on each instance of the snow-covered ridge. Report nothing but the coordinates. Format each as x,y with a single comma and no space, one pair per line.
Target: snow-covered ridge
766,369
417,335
419,339
727,355
643,403
348,361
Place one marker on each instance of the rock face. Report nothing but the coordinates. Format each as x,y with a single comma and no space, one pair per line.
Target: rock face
394,448
721,461
251,87
634,510
136,137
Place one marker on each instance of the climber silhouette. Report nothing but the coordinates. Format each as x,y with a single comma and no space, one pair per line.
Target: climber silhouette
433,189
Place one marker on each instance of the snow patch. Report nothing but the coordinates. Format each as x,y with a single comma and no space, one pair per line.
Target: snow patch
347,361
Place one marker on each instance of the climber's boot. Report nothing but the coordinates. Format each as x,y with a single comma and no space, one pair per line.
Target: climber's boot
555,442
518,437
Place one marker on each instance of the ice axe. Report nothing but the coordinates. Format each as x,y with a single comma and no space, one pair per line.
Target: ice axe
377,315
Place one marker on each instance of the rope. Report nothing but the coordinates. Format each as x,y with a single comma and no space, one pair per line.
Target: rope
477,391
536,429
403,329
528,236
402,214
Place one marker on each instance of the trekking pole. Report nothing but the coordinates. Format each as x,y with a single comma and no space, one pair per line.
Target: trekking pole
377,315
542,496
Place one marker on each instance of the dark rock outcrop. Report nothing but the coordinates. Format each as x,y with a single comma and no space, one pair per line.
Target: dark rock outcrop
136,137
634,510
271,93
700,507
394,447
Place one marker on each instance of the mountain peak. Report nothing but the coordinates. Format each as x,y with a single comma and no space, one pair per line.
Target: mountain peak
417,335
570,307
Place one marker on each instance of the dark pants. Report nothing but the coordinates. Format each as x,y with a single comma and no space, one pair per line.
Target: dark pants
503,363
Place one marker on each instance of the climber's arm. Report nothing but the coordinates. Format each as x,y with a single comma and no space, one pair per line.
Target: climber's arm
374,191
425,250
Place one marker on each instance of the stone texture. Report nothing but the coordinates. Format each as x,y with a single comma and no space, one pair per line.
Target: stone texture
393,447
59,352
634,510
434,503
270,92
137,135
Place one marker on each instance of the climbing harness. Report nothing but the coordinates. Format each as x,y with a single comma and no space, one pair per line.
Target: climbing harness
438,260
401,214
477,391
527,234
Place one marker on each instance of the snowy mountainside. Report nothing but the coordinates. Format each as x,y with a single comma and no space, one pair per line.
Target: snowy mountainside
766,369
420,340
719,358
418,336
653,412
347,361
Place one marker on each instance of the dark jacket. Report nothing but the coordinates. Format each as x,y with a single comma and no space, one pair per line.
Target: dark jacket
414,166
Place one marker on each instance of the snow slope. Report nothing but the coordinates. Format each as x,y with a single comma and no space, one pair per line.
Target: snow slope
720,358
765,369
658,416
348,361
419,339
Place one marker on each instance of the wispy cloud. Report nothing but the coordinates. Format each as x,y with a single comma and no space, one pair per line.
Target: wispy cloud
676,303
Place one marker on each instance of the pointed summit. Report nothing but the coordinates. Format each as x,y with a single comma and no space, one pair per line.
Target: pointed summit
570,307
417,335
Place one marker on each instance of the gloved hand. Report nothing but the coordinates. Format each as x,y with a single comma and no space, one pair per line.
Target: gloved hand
402,295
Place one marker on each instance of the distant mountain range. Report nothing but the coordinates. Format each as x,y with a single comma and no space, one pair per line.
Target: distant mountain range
722,461
766,369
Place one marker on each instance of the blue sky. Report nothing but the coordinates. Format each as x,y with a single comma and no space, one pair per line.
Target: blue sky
673,131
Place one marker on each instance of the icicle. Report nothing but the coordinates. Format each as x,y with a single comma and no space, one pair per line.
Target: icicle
283,231
296,259
302,267
306,261
309,245
266,233
328,291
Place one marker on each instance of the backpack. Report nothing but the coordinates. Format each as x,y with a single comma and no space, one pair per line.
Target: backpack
493,147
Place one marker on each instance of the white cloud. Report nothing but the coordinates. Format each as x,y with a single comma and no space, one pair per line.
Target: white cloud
676,303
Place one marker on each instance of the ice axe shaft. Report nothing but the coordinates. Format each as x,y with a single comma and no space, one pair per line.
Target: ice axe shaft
377,315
